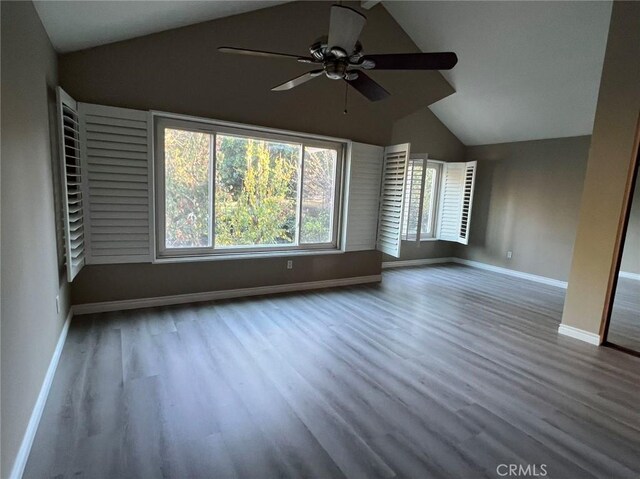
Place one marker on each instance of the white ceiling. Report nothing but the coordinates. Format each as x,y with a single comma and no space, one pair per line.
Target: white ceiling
76,25
526,70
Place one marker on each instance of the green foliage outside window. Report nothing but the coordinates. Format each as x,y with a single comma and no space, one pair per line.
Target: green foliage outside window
187,200
256,191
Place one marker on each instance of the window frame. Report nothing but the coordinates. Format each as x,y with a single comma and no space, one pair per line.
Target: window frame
214,128
435,201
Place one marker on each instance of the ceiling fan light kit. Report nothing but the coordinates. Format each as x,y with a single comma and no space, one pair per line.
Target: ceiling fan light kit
340,57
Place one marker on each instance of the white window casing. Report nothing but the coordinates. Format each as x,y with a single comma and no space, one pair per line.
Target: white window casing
362,192
392,196
456,201
72,178
215,128
413,198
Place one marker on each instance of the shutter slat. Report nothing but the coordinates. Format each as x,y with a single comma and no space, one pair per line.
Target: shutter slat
116,138
117,130
117,146
117,154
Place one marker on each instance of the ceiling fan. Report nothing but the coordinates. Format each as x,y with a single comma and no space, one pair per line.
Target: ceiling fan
340,57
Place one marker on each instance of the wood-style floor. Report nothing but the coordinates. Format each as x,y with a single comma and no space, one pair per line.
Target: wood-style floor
439,372
624,327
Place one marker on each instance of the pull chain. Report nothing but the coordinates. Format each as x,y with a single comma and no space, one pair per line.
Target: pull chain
346,92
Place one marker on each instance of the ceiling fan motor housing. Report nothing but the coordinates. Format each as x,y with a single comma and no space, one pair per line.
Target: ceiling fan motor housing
335,60
335,69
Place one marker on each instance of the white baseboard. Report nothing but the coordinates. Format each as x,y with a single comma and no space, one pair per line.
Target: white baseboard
628,275
38,408
415,262
121,305
580,334
511,272
476,264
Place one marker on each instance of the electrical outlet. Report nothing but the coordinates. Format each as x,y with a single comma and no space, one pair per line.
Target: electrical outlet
509,254
58,304
290,264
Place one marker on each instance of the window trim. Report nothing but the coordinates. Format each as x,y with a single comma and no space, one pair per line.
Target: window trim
435,192
214,127
435,200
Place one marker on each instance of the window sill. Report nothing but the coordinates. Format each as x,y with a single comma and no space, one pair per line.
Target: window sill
245,256
421,241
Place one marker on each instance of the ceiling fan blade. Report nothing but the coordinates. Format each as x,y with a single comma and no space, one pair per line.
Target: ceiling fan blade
369,88
261,53
413,61
294,82
345,27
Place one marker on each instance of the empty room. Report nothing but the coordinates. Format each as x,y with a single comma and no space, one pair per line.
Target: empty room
313,239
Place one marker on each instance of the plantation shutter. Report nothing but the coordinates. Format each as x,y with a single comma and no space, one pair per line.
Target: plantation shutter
456,199
117,154
392,198
72,176
362,186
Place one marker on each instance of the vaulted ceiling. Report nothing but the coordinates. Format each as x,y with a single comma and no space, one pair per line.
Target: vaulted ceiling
527,70
78,24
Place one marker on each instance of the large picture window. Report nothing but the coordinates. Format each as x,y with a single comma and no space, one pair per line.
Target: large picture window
223,190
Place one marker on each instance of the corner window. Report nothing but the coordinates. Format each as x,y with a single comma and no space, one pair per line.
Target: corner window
225,190
420,202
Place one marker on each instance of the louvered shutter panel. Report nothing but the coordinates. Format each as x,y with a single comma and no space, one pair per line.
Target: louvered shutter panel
456,197
119,178
467,201
71,173
392,198
362,193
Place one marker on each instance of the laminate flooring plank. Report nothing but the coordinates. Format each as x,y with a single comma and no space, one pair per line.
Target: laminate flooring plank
297,448
250,451
86,395
513,442
149,449
357,372
373,410
555,378
339,438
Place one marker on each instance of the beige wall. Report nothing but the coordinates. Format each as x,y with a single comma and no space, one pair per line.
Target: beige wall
608,170
428,135
181,71
118,282
411,250
30,274
526,200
